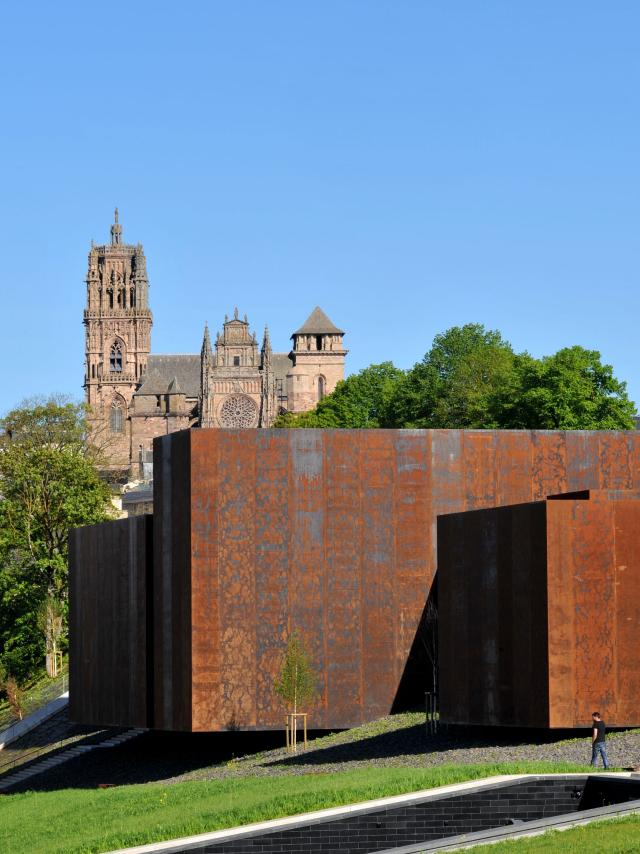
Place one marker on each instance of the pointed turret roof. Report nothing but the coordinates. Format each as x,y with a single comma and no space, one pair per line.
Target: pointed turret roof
116,230
318,324
206,341
266,341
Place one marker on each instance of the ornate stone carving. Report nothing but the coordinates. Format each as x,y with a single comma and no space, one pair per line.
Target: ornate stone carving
238,410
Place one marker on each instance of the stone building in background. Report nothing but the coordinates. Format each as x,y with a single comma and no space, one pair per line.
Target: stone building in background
134,395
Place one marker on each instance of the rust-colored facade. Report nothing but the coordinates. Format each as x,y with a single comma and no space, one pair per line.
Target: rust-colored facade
110,621
328,532
540,611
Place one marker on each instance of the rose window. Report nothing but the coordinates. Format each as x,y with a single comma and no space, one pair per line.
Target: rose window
238,411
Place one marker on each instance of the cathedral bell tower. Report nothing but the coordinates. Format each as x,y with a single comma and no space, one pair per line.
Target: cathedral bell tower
317,358
118,324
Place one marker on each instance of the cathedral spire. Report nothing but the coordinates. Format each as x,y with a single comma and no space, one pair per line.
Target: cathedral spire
204,398
206,342
116,231
266,350
266,341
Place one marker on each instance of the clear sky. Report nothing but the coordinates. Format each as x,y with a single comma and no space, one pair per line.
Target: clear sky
408,165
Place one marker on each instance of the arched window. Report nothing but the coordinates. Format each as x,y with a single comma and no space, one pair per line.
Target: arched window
116,420
318,342
110,292
132,297
322,387
115,359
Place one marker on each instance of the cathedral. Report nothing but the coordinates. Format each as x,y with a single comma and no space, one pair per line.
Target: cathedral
134,395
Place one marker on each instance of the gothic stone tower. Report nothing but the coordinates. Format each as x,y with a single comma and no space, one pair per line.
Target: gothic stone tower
118,323
318,356
237,381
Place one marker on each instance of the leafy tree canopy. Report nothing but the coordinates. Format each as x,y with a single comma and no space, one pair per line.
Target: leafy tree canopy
48,484
472,378
571,390
54,422
360,401
463,381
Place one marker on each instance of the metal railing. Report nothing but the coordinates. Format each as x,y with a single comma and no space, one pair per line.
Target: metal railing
36,698
30,755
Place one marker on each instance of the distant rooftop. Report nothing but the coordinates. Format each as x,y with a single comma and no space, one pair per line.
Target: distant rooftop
318,324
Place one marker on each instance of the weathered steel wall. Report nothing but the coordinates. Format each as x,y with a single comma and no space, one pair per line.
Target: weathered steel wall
540,612
492,598
332,533
594,609
171,660
110,623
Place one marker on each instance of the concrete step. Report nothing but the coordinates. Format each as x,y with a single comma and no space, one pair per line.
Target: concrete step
77,750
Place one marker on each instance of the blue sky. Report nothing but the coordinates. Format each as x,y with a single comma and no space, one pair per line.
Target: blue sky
409,166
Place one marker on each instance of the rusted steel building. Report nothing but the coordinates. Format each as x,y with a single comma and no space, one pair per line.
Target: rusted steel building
331,533
540,611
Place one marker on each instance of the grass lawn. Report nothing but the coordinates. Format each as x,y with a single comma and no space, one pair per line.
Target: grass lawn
616,836
98,820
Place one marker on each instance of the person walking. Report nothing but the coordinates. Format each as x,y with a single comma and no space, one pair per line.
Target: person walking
598,735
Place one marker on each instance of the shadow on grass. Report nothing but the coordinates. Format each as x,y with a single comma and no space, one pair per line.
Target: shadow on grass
157,756
414,741
150,757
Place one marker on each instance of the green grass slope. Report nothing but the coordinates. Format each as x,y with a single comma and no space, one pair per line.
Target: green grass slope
615,836
72,821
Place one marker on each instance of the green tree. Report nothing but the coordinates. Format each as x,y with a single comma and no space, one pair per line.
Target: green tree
51,620
466,379
360,401
297,683
48,483
571,390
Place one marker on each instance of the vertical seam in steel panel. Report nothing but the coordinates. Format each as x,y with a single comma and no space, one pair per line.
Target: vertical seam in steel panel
166,561
187,631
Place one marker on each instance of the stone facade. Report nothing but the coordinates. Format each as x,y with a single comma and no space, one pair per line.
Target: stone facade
118,324
237,381
135,396
318,362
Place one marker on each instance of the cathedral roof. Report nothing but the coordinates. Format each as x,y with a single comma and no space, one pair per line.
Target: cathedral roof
181,374
162,371
281,365
318,324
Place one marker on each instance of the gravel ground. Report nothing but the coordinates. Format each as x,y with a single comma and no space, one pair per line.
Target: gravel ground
398,740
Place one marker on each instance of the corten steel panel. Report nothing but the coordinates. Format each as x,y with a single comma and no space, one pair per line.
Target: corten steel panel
412,511
172,584
333,533
616,459
562,575
549,464
345,690
272,497
594,608
627,605
492,616
109,577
